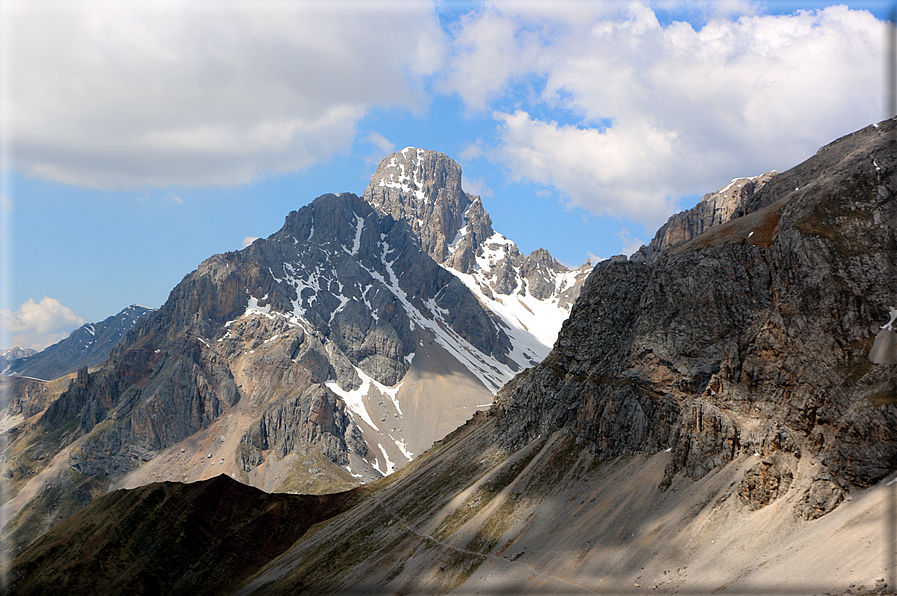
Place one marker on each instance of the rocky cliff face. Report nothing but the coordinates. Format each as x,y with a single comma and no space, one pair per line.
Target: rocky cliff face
87,346
740,196
422,188
329,354
531,294
754,337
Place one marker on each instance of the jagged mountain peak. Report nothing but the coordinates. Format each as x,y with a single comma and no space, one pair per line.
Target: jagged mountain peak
422,187
532,294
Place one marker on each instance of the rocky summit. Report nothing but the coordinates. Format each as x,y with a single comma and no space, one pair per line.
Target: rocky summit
717,415
326,355
532,294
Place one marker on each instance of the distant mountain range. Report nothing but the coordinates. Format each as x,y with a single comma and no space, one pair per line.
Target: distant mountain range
327,355
86,346
718,415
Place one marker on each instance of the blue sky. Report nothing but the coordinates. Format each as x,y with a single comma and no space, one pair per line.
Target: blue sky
140,138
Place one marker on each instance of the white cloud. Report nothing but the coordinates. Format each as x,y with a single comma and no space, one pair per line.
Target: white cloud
38,324
597,99
249,240
620,172
630,244
651,112
124,95
383,148
476,186
380,142
488,52
471,151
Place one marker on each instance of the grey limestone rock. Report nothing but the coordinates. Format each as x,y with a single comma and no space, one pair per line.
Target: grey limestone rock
764,483
755,336
716,208
314,416
824,494
423,188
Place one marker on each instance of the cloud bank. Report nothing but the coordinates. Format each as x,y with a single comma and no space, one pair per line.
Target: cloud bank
656,111
120,95
618,112
37,325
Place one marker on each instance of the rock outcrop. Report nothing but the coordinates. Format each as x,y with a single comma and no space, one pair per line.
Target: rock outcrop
324,356
734,200
754,336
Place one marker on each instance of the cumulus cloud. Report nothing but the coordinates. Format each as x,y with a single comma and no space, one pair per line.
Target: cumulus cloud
653,112
134,94
471,151
620,172
38,324
383,147
630,244
478,187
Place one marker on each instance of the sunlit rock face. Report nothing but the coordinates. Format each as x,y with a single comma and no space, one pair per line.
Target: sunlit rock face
330,353
766,333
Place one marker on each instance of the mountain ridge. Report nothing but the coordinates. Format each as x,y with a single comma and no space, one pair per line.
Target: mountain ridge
326,355
86,346
718,418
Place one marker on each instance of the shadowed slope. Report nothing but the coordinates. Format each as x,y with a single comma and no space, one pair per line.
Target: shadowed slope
169,538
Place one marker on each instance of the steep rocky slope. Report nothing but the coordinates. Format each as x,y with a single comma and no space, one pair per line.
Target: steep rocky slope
322,357
718,420
756,336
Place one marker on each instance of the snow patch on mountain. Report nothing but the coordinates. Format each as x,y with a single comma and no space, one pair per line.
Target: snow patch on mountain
492,373
359,227
400,179
355,399
532,324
